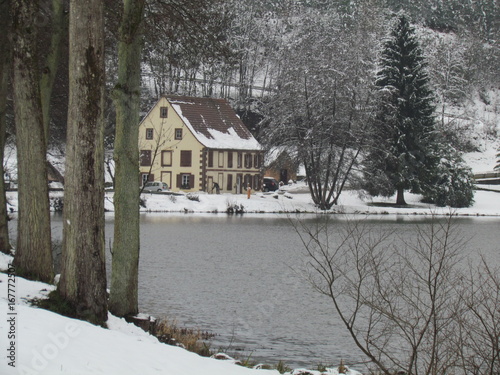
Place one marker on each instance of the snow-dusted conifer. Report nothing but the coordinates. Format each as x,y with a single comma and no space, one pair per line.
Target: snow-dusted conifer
404,128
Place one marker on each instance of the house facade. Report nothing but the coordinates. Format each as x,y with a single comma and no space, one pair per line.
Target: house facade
198,144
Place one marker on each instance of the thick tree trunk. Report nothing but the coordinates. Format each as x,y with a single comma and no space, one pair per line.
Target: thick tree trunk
33,253
83,273
5,54
51,63
400,197
124,277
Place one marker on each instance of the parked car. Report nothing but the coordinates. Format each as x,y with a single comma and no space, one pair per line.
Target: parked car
155,186
270,184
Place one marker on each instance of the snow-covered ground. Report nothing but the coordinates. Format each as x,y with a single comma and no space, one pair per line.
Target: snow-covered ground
40,342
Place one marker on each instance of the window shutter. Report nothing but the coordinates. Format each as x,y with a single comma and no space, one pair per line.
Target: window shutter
179,180
191,180
186,158
151,177
248,160
229,159
229,182
145,158
210,159
256,184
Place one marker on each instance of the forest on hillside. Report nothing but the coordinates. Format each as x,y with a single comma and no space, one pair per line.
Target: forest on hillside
244,50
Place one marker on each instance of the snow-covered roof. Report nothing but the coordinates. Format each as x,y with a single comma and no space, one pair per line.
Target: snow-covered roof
213,122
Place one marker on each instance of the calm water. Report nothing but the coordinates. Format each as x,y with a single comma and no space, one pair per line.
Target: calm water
238,277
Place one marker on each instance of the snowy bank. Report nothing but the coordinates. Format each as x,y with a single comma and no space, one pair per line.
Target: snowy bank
42,342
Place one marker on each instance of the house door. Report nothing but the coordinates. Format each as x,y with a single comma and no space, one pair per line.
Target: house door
284,176
210,184
167,178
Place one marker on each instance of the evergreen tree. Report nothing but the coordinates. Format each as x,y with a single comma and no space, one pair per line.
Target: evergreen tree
403,130
451,183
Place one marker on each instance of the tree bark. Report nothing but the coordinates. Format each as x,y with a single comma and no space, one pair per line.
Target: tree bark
400,197
124,277
52,61
5,55
83,273
33,254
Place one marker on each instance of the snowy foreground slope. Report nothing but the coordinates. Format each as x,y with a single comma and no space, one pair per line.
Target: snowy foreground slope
48,343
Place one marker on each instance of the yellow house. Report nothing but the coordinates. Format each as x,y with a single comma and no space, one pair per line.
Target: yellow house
198,144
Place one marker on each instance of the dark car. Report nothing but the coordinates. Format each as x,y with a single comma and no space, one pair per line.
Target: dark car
270,184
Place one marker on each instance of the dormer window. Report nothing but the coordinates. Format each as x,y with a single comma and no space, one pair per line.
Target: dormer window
163,112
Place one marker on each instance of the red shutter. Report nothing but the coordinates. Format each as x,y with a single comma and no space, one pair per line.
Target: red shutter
191,181
179,180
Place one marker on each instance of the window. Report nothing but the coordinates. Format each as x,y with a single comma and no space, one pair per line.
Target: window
185,158
256,180
185,181
163,112
149,133
229,159
178,133
221,159
229,182
166,158
145,157
239,159
248,160
256,160
145,177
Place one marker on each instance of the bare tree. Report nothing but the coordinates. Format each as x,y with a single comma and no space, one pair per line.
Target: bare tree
323,102
33,253
83,271
479,339
397,299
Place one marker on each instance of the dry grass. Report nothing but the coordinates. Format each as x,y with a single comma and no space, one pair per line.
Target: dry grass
194,340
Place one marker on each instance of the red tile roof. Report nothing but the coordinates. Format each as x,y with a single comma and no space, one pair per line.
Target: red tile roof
206,114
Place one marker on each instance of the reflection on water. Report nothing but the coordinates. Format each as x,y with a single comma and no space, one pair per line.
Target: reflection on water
239,277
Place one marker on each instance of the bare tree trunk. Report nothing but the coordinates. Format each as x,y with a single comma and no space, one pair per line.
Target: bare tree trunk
5,54
83,273
124,277
33,254
400,198
51,63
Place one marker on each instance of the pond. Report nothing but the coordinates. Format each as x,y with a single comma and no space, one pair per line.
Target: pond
239,277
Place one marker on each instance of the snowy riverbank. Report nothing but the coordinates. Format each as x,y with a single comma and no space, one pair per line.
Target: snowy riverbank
295,198
42,342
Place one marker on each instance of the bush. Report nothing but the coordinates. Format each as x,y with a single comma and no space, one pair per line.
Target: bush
57,204
193,197
234,208
451,183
